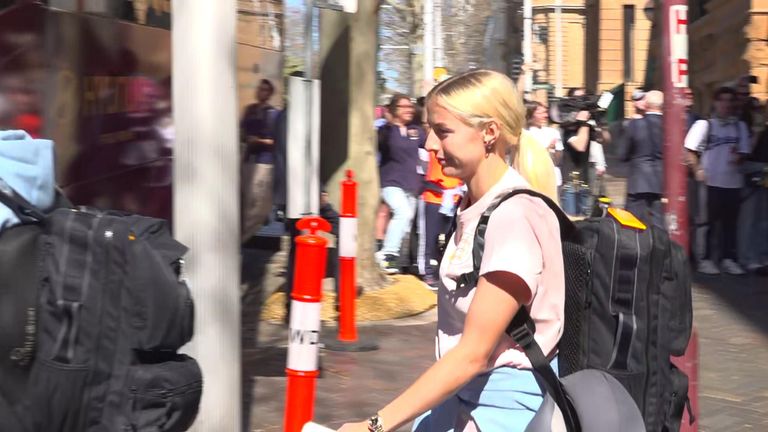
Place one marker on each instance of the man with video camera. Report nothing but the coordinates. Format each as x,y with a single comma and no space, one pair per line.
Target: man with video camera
577,115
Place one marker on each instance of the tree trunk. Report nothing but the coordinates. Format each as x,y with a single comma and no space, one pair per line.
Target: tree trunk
347,136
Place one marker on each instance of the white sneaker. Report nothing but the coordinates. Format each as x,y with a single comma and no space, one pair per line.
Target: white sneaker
388,263
732,267
708,267
753,267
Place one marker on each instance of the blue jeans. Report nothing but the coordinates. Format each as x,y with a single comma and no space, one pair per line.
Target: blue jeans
502,400
575,203
403,206
753,226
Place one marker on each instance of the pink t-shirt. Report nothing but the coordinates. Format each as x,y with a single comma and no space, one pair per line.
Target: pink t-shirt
523,238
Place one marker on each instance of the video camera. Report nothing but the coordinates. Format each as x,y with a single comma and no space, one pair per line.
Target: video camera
564,111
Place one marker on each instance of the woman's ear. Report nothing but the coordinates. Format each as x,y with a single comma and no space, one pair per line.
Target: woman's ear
491,132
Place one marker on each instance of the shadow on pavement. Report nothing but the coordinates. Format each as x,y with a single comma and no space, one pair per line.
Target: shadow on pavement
746,295
261,258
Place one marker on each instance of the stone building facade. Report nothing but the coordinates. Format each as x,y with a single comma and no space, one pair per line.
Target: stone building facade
727,39
596,44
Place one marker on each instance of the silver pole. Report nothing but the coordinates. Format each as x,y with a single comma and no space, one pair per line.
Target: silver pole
308,52
429,45
528,44
206,203
308,39
559,48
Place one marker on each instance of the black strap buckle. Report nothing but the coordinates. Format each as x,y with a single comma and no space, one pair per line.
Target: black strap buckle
522,335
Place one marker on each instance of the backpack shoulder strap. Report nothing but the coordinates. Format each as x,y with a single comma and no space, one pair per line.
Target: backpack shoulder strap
522,328
708,136
567,228
26,212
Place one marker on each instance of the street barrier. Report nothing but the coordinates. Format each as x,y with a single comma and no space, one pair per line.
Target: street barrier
347,339
304,329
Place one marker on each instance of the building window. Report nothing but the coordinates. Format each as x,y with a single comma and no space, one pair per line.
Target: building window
629,39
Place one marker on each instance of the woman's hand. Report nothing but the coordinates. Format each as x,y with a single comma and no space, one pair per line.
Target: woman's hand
354,427
552,144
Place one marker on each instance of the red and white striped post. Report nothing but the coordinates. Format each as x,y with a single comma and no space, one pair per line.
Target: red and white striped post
347,259
304,331
347,338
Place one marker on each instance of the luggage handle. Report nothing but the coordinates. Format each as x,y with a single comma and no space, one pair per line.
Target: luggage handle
26,212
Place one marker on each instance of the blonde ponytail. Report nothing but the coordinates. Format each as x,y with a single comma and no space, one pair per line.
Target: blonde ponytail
533,162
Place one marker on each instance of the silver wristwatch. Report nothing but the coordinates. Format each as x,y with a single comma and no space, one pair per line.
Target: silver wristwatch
375,424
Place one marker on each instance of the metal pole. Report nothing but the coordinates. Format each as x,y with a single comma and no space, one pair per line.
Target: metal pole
308,39
308,74
675,75
528,44
206,197
674,63
558,48
439,44
429,44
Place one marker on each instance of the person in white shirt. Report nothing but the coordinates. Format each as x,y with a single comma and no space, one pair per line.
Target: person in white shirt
537,116
716,148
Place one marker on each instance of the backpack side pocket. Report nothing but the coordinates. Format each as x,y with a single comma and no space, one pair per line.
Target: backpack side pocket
164,396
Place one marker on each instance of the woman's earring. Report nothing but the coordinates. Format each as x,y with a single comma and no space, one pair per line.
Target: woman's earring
488,147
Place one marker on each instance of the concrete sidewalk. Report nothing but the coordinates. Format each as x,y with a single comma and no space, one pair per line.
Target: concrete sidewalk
731,315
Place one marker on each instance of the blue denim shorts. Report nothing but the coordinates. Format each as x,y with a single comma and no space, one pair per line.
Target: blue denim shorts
502,400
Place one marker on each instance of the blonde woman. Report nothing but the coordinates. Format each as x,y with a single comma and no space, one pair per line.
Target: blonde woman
482,380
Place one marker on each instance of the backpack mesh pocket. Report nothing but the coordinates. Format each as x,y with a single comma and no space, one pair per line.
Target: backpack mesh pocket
571,357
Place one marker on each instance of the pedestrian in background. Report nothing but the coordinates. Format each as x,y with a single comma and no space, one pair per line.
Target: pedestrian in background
754,225
716,149
437,207
577,138
257,129
643,148
537,118
482,380
399,143
638,103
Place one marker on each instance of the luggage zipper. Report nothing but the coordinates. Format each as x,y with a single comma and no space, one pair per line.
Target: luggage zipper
108,234
77,306
647,339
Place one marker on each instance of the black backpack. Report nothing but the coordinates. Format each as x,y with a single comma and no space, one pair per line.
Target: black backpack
100,310
628,309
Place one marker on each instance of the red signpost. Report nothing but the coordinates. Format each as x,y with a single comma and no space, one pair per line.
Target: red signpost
674,25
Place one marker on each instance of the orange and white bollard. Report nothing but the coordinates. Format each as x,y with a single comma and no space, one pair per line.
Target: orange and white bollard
347,338
304,330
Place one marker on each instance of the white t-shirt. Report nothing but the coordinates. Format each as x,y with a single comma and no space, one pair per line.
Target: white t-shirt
523,238
719,147
545,135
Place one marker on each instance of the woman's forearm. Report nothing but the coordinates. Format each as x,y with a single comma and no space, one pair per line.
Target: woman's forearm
458,367
581,141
